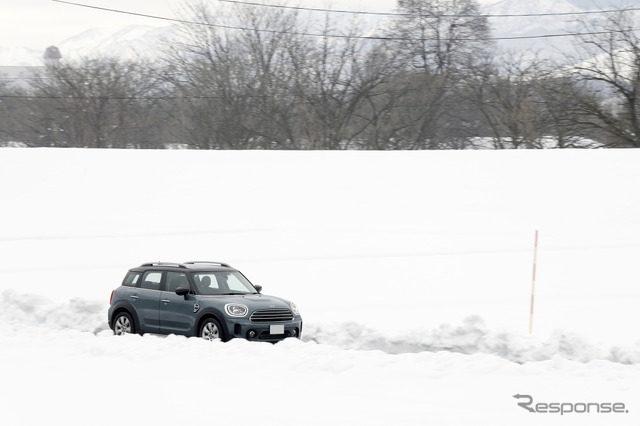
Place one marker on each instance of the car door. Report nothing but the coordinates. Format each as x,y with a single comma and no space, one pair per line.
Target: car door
177,313
146,301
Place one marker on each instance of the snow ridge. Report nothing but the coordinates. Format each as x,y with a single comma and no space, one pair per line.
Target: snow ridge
21,311
472,337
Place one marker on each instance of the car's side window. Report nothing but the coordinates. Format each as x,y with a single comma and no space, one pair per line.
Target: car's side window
175,280
131,280
151,280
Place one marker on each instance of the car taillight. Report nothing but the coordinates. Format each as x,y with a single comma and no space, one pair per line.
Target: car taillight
111,298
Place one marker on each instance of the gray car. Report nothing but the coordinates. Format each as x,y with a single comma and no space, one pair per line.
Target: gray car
211,300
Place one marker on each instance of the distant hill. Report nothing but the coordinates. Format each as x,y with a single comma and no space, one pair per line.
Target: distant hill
129,42
134,41
523,32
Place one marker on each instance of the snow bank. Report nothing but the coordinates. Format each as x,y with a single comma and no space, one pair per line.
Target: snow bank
21,311
472,337
25,310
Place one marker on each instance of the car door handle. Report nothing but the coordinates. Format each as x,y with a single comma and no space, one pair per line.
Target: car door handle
165,300
134,297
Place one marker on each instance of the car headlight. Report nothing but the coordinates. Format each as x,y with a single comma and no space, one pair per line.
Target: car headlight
236,309
294,309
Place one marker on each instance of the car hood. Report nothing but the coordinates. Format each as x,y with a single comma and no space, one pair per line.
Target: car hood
263,301
253,301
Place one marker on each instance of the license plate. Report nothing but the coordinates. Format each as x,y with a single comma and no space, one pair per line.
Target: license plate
276,329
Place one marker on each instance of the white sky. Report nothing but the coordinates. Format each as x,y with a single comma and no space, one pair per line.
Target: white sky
40,23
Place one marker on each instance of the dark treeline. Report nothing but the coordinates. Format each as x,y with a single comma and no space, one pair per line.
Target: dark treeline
435,80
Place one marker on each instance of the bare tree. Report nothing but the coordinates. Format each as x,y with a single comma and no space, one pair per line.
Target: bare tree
557,95
435,40
232,72
332,80
95,102
9,104
504,91
438,35
383,110
607,66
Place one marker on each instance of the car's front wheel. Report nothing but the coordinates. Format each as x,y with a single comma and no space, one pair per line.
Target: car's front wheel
123,324
211,330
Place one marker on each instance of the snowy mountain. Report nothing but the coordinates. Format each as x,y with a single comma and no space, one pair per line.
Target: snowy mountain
513,32
524,32
130,42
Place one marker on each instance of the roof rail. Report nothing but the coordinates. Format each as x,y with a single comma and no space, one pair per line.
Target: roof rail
207,262
173,264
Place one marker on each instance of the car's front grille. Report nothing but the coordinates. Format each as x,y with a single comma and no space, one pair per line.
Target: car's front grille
271,315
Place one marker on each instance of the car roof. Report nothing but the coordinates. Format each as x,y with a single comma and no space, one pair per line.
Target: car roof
190,266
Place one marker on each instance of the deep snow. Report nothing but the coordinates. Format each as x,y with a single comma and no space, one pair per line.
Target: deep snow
412,270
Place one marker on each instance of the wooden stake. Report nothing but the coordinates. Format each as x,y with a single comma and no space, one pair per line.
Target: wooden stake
533,281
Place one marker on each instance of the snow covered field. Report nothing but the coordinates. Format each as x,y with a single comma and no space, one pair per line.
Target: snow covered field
412,271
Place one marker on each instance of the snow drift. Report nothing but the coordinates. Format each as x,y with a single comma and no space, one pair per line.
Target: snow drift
471,337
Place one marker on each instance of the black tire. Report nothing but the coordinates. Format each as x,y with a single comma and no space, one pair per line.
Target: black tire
123,324
210,329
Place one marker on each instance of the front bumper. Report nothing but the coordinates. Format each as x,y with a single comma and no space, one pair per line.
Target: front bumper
245,329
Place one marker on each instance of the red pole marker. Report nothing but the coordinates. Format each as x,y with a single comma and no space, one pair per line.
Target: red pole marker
533,281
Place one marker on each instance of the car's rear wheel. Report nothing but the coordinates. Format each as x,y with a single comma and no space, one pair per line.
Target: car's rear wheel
211,330
123,324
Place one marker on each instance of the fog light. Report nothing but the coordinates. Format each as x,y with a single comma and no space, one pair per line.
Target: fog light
251,334
294,332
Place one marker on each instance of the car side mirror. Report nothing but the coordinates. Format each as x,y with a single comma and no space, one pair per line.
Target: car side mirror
258,288
181,291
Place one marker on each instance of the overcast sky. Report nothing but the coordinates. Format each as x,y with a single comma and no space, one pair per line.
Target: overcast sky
40,23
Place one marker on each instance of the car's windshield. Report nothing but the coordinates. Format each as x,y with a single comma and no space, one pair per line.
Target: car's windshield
222,282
